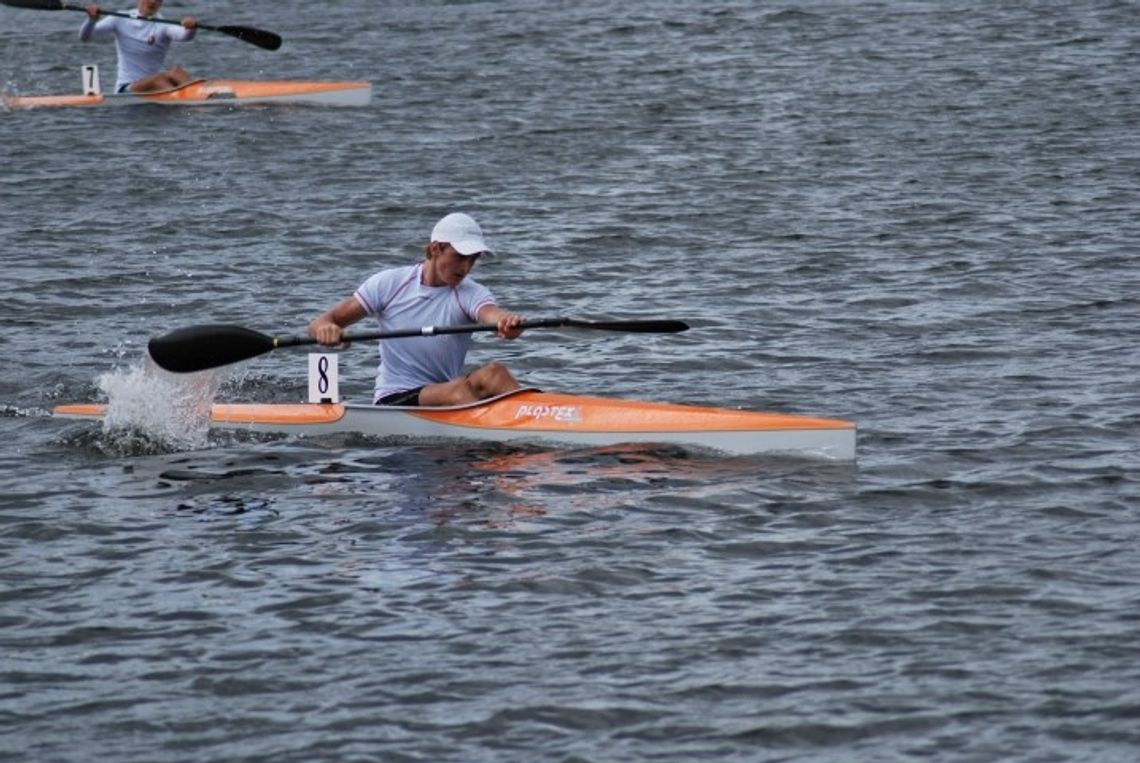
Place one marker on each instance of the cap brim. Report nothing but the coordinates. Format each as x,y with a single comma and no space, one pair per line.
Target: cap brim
470,246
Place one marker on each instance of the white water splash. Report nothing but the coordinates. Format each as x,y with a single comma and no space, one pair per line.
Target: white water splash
171,408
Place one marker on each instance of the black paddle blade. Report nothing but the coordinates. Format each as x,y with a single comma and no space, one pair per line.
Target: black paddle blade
258,37
197,348
36,5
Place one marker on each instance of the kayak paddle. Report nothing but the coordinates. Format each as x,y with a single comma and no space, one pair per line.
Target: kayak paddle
258,37
197,348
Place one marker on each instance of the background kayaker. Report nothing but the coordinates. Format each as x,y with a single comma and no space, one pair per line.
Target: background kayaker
142,46
436,292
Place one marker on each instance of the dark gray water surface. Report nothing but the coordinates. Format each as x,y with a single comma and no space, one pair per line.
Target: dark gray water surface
921,216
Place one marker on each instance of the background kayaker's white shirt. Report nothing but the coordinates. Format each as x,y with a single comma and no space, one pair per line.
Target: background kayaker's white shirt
398,300
141,44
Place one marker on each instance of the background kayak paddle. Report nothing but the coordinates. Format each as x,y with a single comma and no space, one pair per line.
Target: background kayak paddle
258,37
197,348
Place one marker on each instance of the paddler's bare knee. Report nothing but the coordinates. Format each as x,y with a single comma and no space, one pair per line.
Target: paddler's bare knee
491,379
488,381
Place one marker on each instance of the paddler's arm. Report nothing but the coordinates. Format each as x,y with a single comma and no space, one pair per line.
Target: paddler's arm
328,327
87,30
187,32
506,323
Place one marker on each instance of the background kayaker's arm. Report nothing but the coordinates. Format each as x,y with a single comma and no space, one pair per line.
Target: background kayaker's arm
328,327
88,30
506,322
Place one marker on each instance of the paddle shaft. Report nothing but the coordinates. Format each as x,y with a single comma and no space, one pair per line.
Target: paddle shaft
640,327
259,37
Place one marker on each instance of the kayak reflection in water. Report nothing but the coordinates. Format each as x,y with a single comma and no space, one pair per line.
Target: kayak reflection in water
428,370
142,45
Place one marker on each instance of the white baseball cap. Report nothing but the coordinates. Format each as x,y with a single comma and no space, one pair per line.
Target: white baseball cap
463,233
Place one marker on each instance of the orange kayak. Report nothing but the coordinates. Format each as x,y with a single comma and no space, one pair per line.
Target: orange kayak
214,92
541,417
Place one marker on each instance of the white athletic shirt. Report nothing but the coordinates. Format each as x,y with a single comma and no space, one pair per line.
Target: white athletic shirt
141,44
398,300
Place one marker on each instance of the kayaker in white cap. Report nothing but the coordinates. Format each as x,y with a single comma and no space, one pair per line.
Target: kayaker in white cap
436,292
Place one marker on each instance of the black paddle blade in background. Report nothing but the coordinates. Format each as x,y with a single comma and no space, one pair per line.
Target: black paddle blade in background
258,37
36,5
196,348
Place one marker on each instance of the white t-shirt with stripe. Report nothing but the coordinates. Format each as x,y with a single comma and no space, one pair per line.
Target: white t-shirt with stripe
398,300
142,44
